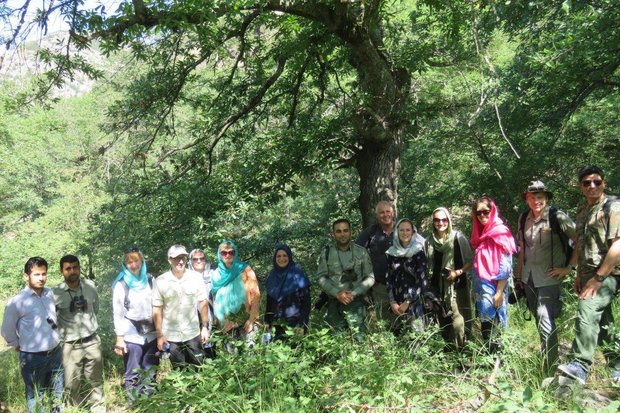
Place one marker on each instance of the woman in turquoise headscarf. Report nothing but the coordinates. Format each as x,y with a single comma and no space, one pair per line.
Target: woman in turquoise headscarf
133,323
236,297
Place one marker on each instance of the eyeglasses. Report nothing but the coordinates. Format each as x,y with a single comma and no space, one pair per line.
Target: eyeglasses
197,259
588,182
227,253
440,220
179,258
484,212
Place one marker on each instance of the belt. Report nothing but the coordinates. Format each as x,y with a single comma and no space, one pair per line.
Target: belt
43,353
83,340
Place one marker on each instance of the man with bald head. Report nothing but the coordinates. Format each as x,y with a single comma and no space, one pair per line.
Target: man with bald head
377,238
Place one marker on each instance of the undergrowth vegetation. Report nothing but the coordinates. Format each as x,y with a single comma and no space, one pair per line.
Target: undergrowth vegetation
337,373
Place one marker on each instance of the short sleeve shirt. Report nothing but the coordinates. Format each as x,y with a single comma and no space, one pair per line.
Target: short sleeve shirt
178,297
81,322
592,228
542,249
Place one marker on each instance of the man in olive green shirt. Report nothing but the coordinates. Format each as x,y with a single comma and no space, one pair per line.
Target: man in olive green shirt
598,276
542,265
77,304
345,274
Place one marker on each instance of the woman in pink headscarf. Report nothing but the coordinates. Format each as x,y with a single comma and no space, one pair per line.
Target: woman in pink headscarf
493,248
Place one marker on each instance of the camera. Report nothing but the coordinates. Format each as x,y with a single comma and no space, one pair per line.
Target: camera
78,303
445,273
348,275
51,322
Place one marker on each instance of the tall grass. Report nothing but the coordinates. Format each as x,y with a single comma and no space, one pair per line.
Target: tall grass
337,373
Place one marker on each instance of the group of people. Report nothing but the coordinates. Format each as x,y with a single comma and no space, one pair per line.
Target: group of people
55,332
404,279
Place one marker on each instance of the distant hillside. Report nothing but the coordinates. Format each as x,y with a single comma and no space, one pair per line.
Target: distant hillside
20,64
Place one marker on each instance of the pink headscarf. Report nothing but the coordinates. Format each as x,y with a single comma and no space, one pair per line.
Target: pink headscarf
489,242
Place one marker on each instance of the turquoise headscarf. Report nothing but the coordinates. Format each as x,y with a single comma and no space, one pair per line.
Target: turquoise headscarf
134,282
228,288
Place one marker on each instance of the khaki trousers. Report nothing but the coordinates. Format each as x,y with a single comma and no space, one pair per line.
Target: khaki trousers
82,360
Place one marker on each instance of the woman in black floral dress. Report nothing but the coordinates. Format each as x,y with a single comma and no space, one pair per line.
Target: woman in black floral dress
407,281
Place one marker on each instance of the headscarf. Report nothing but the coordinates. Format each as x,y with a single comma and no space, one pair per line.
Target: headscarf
134,282
445,246
282,282
490,242
415,245
228,288
190,264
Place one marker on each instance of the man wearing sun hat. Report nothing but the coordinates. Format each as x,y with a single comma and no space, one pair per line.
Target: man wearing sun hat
175,294
543,236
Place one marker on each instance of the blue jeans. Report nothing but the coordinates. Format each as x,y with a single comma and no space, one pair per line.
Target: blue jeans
41,372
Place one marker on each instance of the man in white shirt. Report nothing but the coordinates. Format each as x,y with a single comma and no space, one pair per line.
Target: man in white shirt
30,327
175,294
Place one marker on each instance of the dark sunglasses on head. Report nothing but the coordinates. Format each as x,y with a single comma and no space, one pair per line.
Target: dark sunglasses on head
230,253
131,249
485,212
588,182
440,220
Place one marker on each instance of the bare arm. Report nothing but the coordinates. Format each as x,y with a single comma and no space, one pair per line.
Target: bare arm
611,260
158,313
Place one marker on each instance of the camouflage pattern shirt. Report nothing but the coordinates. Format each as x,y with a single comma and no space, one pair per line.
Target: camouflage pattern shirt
591,233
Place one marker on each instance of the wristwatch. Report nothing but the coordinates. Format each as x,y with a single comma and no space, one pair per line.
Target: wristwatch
600,278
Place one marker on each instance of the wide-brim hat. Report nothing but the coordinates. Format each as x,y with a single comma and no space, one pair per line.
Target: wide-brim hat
535,187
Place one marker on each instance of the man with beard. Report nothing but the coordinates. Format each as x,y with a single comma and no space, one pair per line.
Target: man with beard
77,304
345,274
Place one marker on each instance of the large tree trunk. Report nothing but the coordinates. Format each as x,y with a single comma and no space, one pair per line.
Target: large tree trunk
378,167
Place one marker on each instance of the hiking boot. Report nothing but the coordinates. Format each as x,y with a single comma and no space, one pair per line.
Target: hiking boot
575,371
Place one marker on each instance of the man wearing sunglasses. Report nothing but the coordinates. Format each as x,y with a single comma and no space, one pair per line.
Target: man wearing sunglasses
77,304
598,278
29,327
175,295
542,235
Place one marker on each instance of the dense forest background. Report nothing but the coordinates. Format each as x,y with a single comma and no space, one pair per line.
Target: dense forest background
190,122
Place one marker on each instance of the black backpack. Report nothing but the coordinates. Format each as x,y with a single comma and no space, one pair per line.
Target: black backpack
566,242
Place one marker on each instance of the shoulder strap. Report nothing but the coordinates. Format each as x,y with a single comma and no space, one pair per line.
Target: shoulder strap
126,288
606,208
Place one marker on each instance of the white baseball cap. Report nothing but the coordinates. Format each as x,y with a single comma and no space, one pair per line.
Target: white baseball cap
176,250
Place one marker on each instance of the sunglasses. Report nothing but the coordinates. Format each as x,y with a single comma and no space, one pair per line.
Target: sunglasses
197,259
588,182
131,249
227,253
440,220
484,212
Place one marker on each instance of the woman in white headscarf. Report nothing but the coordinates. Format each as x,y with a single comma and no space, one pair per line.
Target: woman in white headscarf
450,257
406,280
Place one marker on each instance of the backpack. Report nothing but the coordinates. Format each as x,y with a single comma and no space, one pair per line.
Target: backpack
606,207
566,242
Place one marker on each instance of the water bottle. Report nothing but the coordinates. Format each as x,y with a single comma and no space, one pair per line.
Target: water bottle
165,354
